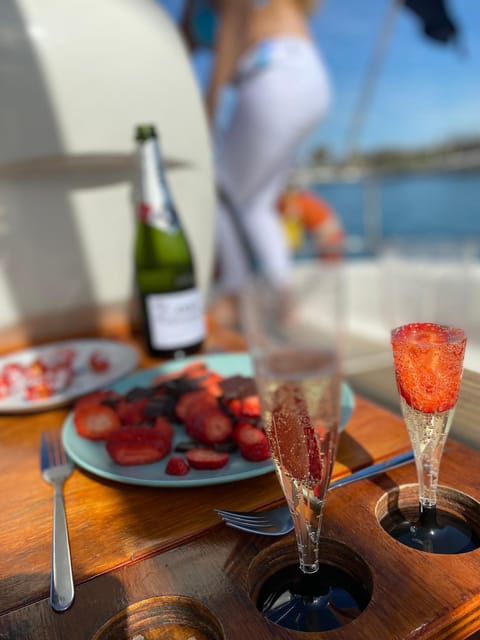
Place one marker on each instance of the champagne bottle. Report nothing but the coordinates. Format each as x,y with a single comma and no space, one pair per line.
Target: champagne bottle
170,299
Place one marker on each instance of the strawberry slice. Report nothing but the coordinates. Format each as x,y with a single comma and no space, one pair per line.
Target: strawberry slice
95,421
193,400
253,443
163,425
428,361
251,406
137,445
210,426
99,362
177,466
206,458
132,411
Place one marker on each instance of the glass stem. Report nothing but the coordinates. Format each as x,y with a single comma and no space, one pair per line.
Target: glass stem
307,519
428,469
428,454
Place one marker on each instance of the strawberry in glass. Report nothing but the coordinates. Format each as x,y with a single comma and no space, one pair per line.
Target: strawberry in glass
428,361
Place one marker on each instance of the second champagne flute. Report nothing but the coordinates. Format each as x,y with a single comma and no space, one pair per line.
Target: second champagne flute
428,360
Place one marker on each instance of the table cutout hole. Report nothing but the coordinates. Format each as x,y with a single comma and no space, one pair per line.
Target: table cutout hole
276,586
163,618
399,506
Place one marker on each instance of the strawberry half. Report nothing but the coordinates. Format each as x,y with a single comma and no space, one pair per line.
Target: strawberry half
137,445
95,421
206,458
428,361
193,400
132,412
210,426
98,362
163,425
252,442
177,466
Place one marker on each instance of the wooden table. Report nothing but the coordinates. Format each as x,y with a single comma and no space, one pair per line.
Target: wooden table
133,543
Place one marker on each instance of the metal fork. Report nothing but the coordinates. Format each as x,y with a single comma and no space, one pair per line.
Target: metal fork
277,521
56,468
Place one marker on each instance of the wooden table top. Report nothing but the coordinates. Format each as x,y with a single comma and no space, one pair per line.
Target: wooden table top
129,543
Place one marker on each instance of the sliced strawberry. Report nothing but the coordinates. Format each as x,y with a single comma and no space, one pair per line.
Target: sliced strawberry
4,388
313,452
234,406
428,362
210,381
14,376
38,391
95,421
251,406
98,362
239,426
210,426
253,443
247,407
177,466
59,378
132,411
164,426
137,445
193,399
206,458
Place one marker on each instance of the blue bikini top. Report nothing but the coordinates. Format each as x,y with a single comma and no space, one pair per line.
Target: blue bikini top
204,22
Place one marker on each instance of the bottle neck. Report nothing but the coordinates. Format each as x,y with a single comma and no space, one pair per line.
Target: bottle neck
154,203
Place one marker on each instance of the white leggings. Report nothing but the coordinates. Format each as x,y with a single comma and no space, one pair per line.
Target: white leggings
283,93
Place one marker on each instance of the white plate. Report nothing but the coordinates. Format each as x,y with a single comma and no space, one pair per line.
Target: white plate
122,359
93,457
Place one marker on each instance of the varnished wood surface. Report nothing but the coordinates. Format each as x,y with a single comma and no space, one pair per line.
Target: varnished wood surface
414,595
129,543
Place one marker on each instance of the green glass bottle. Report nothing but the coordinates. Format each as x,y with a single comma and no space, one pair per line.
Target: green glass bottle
171,302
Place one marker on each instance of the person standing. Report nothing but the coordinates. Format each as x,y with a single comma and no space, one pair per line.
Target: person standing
282,92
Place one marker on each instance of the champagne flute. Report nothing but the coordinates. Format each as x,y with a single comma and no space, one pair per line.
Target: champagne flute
294,337
428,360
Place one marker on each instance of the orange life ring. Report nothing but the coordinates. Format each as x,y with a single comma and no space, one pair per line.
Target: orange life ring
302,210
310,210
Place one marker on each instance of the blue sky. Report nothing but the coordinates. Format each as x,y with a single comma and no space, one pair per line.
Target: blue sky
425,92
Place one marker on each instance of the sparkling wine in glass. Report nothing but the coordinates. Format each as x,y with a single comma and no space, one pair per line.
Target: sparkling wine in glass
294,337
300,390
428,360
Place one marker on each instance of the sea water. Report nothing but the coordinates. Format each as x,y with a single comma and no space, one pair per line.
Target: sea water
444,205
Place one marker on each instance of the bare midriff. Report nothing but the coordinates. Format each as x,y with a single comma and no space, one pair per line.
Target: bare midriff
274,19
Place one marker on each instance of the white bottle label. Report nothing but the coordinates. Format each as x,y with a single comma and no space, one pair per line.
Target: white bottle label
175,319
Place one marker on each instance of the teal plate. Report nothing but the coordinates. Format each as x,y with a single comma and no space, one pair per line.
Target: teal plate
93,457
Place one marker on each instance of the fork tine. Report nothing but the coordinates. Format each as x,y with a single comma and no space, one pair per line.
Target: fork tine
52,444
44,457
258,524
265,532
248,516
245,519
255,515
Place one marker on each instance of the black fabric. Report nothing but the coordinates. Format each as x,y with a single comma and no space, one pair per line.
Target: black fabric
437,23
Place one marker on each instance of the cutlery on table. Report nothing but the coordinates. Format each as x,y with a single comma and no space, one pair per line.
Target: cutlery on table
277,521
56,468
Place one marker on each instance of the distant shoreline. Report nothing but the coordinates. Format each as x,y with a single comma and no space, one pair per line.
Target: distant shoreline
454,157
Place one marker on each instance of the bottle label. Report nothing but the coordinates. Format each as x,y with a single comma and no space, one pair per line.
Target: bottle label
175,319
